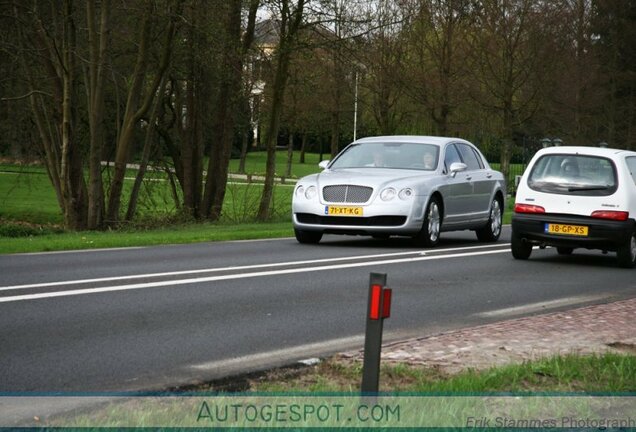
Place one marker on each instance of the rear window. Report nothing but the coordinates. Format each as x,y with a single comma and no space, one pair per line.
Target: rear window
573,175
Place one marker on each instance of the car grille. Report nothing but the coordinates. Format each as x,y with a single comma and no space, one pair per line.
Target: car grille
346,193
384,221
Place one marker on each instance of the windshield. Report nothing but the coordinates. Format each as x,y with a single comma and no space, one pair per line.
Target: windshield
389,155
573,175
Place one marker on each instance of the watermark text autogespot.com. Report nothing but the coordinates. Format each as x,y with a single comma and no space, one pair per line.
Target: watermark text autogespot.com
297,413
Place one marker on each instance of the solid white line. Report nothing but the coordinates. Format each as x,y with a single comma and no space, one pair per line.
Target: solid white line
238,276
536,307
247,267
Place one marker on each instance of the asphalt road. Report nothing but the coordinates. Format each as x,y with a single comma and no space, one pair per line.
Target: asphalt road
158,317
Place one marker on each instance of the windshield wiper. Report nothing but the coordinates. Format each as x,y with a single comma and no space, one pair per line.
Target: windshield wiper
587,188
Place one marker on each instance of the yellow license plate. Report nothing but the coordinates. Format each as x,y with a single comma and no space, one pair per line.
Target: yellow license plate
575,230
343,211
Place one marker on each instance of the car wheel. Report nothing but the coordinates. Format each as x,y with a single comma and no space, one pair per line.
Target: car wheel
626,253
492,230
564,250
307,237
429,234
520,248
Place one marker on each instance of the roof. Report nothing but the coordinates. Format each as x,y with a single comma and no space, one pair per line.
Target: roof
422,139
593,151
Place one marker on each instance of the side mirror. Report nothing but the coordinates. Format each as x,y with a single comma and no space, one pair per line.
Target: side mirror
457,167
323,164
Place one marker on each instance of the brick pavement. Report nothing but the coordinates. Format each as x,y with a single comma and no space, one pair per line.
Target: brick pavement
590,329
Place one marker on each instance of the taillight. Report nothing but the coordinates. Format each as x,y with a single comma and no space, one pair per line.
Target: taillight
611,215
527,208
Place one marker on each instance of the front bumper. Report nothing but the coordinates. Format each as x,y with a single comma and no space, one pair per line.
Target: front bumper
393,218
602,234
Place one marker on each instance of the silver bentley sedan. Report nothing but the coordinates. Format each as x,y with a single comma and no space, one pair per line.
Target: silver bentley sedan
414,186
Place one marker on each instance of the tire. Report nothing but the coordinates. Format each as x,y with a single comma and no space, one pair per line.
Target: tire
564,250
431,228
492,230
520,248
626,253
307,237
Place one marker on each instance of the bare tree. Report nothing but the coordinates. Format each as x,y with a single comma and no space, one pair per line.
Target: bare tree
98,45
139,99
235,50
614,27
507,55
384,58
47,42
291,17
435,71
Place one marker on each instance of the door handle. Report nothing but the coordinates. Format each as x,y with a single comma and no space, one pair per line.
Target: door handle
469,178
489,175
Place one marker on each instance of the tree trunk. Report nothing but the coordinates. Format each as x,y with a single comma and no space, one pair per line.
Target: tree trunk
271,135
234,53
245,141
149,144
303,148
191,144
72,180
290,155
215,185
49,143
507,143
137,104
289,33
335,133
98,47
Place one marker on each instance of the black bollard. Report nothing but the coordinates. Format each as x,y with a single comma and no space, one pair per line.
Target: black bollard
379,308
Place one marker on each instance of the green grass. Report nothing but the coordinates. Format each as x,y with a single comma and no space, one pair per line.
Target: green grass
609,372
26,195
556,377
255,163
187,233
30,218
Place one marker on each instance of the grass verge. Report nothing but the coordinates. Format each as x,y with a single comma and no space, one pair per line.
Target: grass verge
30,218
606,373
570,375
192,233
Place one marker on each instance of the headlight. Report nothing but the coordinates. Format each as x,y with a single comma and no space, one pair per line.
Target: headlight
405,194
310,193
387,194
300,191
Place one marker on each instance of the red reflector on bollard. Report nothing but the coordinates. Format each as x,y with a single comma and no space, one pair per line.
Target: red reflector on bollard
386,303
374,312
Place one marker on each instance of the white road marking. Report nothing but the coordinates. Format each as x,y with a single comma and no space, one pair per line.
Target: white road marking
541,306
239,268
284,354
240,276
84,250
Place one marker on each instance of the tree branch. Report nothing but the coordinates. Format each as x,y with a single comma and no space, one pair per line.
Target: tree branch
31,93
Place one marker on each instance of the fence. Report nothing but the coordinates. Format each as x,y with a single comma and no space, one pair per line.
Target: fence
522,151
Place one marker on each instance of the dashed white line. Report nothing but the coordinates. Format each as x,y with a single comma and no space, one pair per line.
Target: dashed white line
541,306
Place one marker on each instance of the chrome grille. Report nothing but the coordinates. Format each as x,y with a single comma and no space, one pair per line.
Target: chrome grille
346,193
